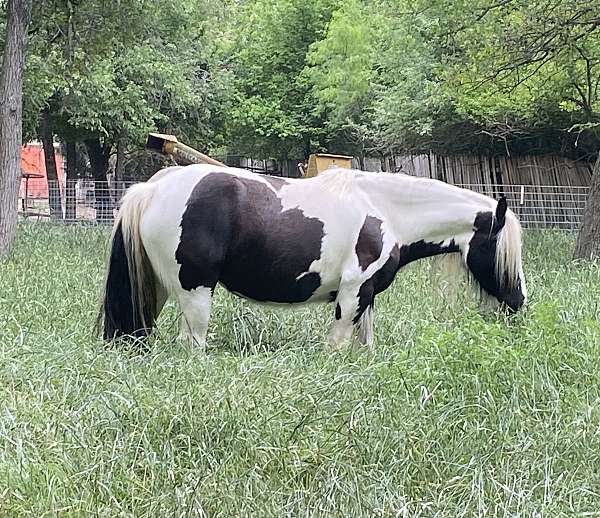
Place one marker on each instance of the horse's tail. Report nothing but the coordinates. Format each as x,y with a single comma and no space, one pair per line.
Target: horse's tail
129,303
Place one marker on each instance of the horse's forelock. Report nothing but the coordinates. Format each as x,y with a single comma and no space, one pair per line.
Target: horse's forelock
508,252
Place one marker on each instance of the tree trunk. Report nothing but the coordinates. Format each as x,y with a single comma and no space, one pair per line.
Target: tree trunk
70,207
588,240
11,128
361,161
99,155
47,138
119,187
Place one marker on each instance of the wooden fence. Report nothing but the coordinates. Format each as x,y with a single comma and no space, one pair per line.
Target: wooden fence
543,170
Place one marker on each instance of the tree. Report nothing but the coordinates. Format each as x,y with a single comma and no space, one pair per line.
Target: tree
47,138
339,70
145,67
588,239
531,85
538,80
11,91
271,112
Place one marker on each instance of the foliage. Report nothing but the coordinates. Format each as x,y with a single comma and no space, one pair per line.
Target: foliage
539,72
452,412
341,66
282,78
442,75
272,113
114,73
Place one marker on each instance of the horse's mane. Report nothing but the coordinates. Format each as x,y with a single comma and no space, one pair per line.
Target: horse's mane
337,180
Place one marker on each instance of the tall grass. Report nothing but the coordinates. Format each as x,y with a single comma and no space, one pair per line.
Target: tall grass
454,412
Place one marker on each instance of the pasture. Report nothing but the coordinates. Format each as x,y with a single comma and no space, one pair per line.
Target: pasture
454,412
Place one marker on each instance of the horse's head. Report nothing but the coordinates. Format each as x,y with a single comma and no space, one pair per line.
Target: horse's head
492,253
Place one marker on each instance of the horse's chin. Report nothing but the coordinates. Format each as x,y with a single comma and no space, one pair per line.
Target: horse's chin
513,304
508,305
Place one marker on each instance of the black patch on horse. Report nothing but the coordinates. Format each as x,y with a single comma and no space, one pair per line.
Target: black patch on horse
207,227
399,257
421,249
338,311
366,298
481,258
275,181
378,282
370,242
383,277
235,231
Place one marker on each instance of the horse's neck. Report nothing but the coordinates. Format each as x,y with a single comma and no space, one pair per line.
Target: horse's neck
419,209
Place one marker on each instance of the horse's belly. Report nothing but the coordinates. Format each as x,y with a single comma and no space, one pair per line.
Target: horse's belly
271,286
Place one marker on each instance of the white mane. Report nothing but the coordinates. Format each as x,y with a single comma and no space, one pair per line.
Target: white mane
337,180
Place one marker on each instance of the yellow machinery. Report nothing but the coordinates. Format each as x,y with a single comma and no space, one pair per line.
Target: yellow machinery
319,162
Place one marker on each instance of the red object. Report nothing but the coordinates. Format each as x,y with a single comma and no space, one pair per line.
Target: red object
32,162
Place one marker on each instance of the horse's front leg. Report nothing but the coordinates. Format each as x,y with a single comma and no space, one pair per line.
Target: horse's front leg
195,313
353,312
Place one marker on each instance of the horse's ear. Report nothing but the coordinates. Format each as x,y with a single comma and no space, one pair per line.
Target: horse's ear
501,212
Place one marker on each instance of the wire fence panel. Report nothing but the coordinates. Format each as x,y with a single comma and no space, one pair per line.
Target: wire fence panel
541,206
73,201
81,201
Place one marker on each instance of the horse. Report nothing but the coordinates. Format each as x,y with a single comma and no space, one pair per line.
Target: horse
339,238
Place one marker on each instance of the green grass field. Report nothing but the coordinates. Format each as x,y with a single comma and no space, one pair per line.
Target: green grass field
454,412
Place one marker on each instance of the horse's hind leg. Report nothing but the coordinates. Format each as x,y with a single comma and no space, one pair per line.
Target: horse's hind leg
195,307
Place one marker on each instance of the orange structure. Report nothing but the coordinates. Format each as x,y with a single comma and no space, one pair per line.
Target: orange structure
32,162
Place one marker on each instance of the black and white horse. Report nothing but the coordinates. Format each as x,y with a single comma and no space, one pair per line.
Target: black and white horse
340,237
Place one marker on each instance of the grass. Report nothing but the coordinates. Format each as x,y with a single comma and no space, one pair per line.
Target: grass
453,413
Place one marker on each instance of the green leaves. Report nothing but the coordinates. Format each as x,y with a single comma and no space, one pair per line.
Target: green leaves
282,78
123,70
272,113
400,76
341,65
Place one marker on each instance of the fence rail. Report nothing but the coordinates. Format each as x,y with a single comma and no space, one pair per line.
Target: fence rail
80,201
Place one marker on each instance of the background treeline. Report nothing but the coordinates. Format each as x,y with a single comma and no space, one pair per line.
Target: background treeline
283,78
